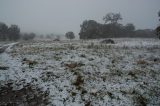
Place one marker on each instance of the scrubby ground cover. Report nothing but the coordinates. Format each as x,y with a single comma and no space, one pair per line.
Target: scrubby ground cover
82,73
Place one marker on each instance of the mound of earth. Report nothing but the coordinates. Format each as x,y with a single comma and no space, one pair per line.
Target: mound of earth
108,41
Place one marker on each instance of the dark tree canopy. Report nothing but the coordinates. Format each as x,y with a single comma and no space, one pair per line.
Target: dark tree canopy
158,28
130,27
70,35
91,29
9,33
158,31
3,31
14,32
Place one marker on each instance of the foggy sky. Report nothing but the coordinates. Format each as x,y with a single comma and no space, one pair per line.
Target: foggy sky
60,16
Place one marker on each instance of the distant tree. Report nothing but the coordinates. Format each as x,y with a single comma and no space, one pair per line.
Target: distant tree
158,28
28,36
70,35
32,36
57,38
145,33
112,18
14,32
129,29
158,31
48,36
52,35
41,36
3,31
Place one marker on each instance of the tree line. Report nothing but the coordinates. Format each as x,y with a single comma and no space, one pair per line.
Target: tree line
12,33
9,33
90,29
158,28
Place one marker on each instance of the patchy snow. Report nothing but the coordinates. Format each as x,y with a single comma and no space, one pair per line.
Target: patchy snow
10,46
79,73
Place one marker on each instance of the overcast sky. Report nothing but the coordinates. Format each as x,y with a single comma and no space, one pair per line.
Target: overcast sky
60,16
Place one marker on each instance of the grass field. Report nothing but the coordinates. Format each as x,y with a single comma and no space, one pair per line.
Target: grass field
81,73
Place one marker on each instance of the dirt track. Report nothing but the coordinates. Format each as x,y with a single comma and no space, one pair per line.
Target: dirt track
3,48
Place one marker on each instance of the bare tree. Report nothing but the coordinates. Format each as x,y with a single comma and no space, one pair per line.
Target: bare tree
112,17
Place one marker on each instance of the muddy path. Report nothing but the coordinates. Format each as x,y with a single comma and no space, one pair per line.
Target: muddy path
2,49
12,92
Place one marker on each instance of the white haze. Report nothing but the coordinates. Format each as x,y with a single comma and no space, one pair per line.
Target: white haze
60,16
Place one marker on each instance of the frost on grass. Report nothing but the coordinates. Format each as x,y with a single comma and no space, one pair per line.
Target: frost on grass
84,72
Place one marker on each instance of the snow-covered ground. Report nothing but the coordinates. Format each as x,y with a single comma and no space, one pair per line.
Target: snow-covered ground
84,73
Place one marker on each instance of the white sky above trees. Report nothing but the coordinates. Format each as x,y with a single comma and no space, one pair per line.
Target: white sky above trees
60,16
